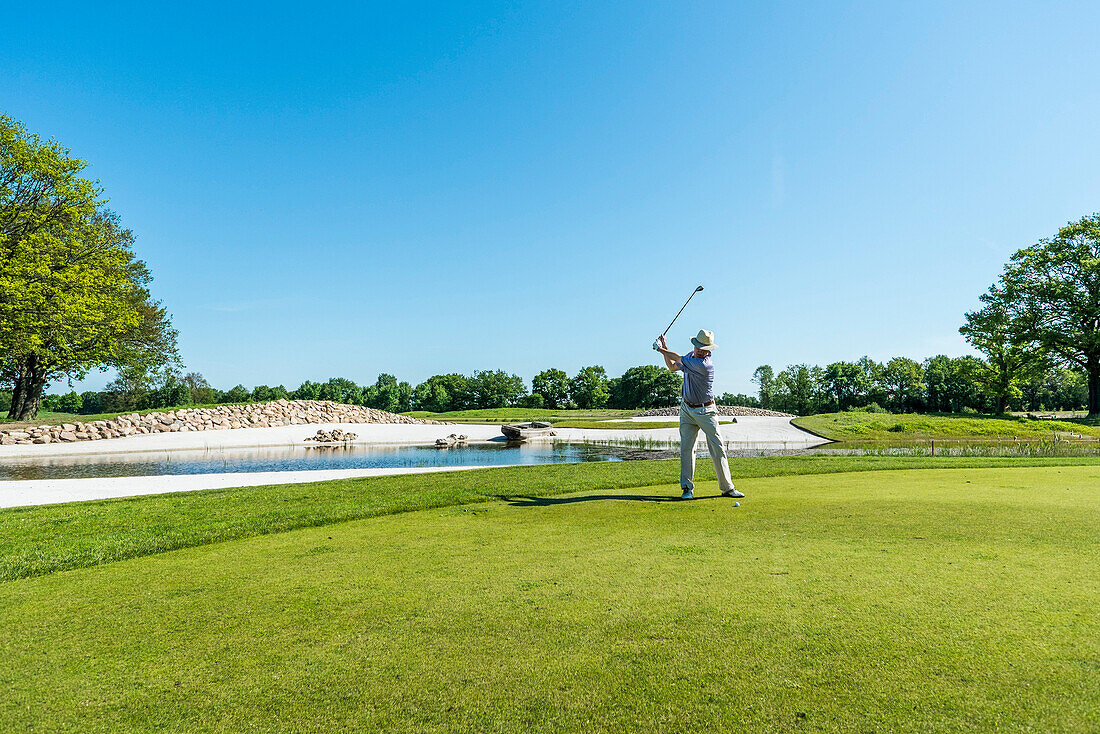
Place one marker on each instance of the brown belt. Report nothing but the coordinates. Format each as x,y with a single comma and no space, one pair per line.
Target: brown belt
698,405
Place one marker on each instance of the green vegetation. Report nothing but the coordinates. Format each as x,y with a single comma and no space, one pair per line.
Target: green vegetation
858,426
73,297
959,600
42,540
1045,307
520,415
619,425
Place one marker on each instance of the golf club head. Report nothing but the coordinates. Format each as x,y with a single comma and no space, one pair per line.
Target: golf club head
699,289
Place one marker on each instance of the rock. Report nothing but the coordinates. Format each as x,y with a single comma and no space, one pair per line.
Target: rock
67,436
42,439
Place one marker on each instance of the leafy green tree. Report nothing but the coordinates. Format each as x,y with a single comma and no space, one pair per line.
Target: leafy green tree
904,381
764,379
534,400
70,402
496,389
201,391
1058,388
341,390
798,389
553,386
443,393
72,295
91,402
588,388
647,386
279,392
385,394
130,390
1052,297
260,394
1012,352
308,391
236,394
874,381
844,383
740,399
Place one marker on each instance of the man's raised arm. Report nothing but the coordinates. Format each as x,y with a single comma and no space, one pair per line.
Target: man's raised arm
672,359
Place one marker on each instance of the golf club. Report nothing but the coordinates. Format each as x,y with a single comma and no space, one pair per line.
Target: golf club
678,314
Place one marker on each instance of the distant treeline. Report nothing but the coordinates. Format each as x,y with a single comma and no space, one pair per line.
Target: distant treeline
937,385
647,386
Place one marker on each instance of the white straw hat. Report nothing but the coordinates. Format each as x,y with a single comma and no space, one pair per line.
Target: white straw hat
704,340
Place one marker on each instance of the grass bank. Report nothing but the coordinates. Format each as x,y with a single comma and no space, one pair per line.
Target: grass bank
40,540
923,600
856,426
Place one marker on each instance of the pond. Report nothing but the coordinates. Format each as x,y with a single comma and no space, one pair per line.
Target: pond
302,458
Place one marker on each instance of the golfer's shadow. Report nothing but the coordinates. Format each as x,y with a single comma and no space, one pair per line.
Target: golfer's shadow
522,501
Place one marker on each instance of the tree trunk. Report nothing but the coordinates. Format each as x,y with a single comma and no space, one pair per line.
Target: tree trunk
29,384
1094,387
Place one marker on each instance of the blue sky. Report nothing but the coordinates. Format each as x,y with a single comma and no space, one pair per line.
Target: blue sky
348,189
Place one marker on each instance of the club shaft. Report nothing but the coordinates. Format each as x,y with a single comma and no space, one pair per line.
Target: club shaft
670,323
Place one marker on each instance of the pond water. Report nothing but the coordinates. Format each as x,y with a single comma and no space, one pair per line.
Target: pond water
301,458
305,458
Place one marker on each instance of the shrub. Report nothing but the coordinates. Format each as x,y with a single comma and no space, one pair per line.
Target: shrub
70,402
869,408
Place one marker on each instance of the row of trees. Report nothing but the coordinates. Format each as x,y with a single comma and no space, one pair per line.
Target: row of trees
938,384
639,387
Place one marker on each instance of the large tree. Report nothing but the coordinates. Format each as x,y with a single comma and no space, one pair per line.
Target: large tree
72,295
589,388
553,386
1012,354
1052,293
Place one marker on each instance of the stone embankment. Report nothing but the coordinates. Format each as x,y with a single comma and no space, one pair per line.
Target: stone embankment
732,410
256,415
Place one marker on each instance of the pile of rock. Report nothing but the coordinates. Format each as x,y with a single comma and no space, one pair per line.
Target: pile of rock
255,415
734,410
334,436
454,439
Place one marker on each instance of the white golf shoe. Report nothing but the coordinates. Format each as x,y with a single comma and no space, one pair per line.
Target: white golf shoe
732,492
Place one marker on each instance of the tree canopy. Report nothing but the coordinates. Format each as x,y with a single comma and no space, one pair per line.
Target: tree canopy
1048,301
73,297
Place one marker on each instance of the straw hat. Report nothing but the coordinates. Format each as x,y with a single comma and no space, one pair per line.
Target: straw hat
704,340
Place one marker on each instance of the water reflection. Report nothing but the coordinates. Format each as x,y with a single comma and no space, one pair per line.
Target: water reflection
296,458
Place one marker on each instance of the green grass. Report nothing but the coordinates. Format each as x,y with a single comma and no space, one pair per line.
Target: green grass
617,425
44,539
856,426
914,600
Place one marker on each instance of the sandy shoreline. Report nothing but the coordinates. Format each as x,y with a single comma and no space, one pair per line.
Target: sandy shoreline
756,432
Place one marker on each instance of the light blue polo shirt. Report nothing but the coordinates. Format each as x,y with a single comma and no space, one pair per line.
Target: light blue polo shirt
698,379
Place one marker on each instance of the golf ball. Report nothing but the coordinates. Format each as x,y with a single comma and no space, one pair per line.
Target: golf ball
736,504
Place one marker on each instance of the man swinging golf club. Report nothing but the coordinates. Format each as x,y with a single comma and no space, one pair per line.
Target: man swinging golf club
698,411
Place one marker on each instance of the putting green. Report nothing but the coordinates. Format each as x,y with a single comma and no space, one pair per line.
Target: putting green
931,600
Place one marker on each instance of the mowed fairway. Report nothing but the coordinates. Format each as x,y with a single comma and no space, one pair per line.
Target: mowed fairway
915,600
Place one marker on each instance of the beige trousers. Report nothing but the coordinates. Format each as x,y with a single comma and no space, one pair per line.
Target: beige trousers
693,420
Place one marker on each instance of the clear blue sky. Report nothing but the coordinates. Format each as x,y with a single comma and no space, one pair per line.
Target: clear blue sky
340,190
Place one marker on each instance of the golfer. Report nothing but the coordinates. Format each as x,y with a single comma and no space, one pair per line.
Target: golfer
698,411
